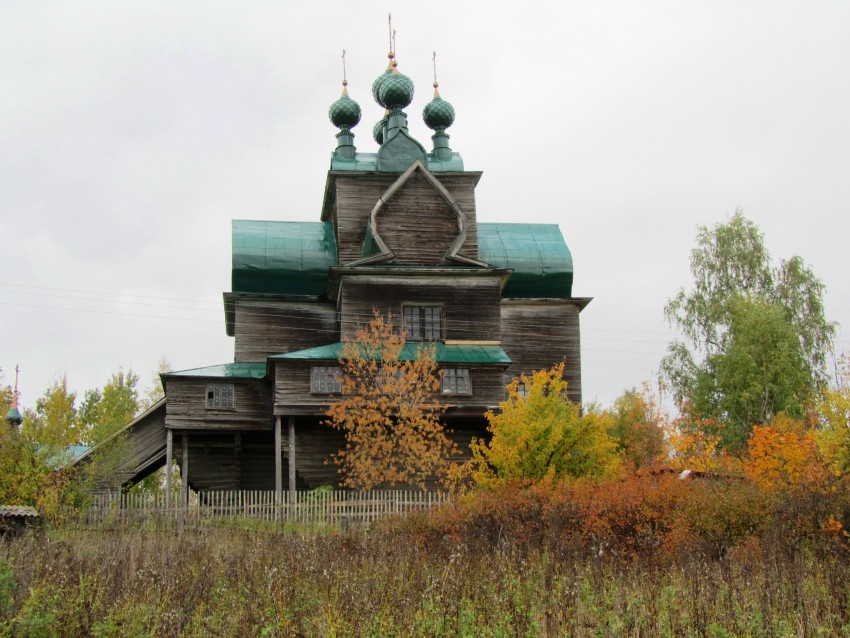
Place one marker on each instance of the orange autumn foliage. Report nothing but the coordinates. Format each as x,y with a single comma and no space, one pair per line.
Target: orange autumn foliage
784,454
390,411
693,449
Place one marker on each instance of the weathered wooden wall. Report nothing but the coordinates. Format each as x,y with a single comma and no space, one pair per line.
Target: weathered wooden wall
537,334
417,224
230,461
356,195
470,303
292,388
139,448
462,188
355,198
186,407
246,460
315,443
265,327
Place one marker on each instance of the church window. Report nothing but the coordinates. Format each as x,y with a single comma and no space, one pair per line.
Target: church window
456,381
423,323
220,395
325,380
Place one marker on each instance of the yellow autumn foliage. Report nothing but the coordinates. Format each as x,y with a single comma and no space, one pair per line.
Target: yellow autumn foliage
540,434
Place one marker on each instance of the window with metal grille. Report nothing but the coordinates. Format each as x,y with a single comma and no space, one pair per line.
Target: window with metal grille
220,395
456,381
325,380
423,323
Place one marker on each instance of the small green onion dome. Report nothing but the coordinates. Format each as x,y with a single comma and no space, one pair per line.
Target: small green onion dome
13,417
396,91
438,112
378,130
345,111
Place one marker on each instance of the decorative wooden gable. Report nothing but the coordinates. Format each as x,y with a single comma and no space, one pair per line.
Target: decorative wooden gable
416,221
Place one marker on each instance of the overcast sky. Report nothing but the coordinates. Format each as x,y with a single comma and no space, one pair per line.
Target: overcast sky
131,133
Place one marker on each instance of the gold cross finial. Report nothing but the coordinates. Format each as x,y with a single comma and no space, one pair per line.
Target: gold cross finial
344,79
434,62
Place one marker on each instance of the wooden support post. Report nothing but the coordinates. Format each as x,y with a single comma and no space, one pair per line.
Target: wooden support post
184,473
278,465
291,437
169,456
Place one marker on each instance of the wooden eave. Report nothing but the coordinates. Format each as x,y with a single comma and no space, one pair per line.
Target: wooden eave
338,273
581,302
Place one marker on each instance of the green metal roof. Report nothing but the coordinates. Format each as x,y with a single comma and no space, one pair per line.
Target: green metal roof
369,162
282,258
445,353
241,370
293,258
537,253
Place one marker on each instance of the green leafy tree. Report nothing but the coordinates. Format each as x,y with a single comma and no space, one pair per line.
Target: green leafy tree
541,434
156,392
23,470
757,339
54,422
6,392
638,427
106,411
834,412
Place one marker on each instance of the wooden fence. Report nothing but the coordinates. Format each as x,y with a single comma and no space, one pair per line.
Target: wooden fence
335,508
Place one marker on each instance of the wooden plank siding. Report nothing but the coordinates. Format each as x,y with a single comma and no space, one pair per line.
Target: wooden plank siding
417,224
539,333
356,195
140,446
264,327
293,390
462,188
232,461
355,198
470,302
186,408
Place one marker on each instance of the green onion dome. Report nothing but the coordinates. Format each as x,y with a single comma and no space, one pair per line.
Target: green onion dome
396,91
13,417
379,81
345,111
438,113
378,130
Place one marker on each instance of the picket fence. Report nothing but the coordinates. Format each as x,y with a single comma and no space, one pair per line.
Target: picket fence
333,507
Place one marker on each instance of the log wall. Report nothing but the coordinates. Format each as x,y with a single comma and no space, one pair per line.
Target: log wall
537,334
470,304
355,196
186,407
417,224
263,328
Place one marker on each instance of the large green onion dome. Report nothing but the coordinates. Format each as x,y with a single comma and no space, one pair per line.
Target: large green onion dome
396,91
379,81
345,112
438,113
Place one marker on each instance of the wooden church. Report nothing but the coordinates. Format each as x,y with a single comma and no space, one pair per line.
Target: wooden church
399,232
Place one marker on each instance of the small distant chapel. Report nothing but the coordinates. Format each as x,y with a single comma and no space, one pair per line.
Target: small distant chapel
399,232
